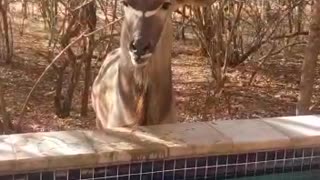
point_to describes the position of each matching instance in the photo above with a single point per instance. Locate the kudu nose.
(139, 48)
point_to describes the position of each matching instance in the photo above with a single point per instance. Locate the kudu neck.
(128, 71)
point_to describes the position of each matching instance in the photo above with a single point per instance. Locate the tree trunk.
(3, 11)
(309, 64)
(92, 23)
(299, 22)
(5, 124)
(72, 84)
(58, 96)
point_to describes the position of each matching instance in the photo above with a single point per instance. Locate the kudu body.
(134, 84)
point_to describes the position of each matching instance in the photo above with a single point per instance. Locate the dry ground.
(273, 93)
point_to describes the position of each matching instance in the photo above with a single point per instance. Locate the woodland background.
(236, 59)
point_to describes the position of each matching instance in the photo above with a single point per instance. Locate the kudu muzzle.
(146, 34)
(140, 50)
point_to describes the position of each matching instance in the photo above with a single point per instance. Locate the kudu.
(134, 84)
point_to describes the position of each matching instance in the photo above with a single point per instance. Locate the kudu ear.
(195, 2)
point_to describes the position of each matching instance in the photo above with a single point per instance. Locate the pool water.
(306, 175)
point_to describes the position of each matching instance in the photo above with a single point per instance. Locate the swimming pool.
(295, 164)
(310, 175)
(276, 149)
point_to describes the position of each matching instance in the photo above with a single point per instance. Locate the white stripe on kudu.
(146, 13)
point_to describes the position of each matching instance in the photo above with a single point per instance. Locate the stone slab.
(190, 139)
(7, 154)
(122, 145)
(303, 131)
(74, 149)
(251, 135)
(52, 150)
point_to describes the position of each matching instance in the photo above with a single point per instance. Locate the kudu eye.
(166, 5)
(125, 3)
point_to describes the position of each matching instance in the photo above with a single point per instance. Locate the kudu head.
(144, 24)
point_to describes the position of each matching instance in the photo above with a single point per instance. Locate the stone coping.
(77, 149)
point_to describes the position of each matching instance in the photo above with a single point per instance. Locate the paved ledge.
(70, 149)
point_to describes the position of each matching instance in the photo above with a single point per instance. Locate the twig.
(101, 28)
(84, 34)
(47, 68)
(82, 5)
(264, 58)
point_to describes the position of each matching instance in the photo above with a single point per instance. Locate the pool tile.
(252, 157)
(123, 178)
(169, 165)
(168, 175)
(74, 174)
(297, 164)
(232, 159)
(179, 175)
(200, 172)
(99, 172)
(315, 163)
(157, 176)
(261, 156)
(211, 172)
(158, 165)
(288, 165)
(20, 177)
(146, 177)
(289, 153)
(303, 131)
(52, 150)
(221, 171)
(191, 162)
(280, 154)
(260, 167)
(269, 166)
(279, 166)
(250, 169)
(242, 158)
(47, 175)
(316, 151)
(190, 173)
(251, 135)
(8, 177)
(135, 168)
(306, 162)
(222, 160)
(123, 170)
(34, 176)
(201, 162)
(298, 153)
(61, 175)
(112, 171)
(7, 157)
(114, 178)
(231, 171)
(180, 163)
(146, 167)
(87, 173)
(135, 177)
(271, 155)
(307, 152)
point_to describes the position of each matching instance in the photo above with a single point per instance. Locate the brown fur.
(124, 95)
